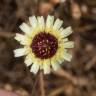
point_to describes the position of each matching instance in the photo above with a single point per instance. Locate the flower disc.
(44, 45)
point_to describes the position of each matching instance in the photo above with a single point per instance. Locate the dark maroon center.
(44, 45)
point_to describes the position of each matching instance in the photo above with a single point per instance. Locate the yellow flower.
(45, 44)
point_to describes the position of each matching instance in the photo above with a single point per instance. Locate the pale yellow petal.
(33, 21)
(46, 66)
(58, 23)
(55, 65)
(58, 56)
(69, 44)
(61, 29)
(35, 67)
(25, 28)
(19, 52)
(60, 60)
(41, 23)
(67, 56)
(62, 41)
(49, 21)
(66, 32)
(28, 60)
(23, 39)
(19, 37)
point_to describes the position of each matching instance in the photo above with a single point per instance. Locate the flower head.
(45, 44)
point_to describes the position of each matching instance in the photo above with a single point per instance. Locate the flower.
(45, 44)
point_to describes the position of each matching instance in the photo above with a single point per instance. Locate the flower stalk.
(42, 90)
